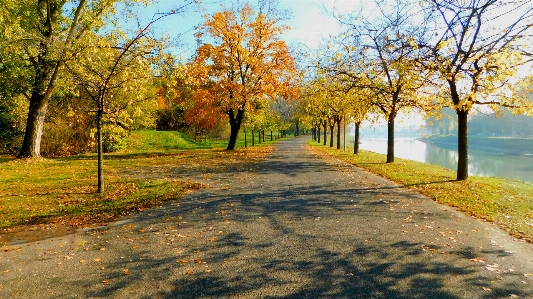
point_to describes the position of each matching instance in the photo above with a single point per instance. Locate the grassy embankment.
(505, 202)
(61, 191)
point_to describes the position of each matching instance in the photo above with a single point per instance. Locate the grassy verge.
(62, 190)
(505, 202)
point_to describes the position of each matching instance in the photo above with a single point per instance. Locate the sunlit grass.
(63, 190)
(508, 203)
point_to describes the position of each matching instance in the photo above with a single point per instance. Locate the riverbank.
(500, 145)
(507, 203)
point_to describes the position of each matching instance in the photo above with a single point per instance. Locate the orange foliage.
(203, 115)
(246, 63)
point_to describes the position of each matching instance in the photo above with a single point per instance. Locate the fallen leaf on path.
(477, 260)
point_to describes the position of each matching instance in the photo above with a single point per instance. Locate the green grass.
(63, 190)
(159, 141)
(147, 141)
(507, 203)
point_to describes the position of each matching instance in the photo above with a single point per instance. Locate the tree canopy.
(242, 61)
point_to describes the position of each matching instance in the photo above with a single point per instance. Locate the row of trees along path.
(422, 56)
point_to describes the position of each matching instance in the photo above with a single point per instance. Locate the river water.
(481, 163)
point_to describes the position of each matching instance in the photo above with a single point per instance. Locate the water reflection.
(480, 163)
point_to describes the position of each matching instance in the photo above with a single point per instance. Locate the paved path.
(297, 226)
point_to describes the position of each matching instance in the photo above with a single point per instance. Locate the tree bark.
(331, 129)
(31, 146)
(344, 134)
(271, 136)
(235, 121)
(245, 139)
(462, 133)
(338, 121)
(390, 139)
(318, 133)
(462, 139)
(100, 141)
(253, 138)
(263, 135)
(356, 138)
(46, 73)
(325, 133)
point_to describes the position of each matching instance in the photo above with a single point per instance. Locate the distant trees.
(505, 125)
(486, 124)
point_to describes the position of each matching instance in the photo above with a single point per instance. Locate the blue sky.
(309, 23)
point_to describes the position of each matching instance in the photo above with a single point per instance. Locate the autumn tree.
(315, 105)
(477, 49)
(359, 109)
(116, 73)
(242, 60)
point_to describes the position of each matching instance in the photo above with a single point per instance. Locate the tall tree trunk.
(390, 138)
(46, 71)
(100, 150)
(297, 129)
(462, 133)
(338, 121)
(356, 138)
(462, 139)
(235, 121)
(263, 136)
(331, 129)
(344, 134)
(325, 133)
(253, 138)
(31, 145)
(271, 136)
(318, 133)
(245, 139)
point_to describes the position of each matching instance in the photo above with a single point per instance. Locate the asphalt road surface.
(298, 225)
